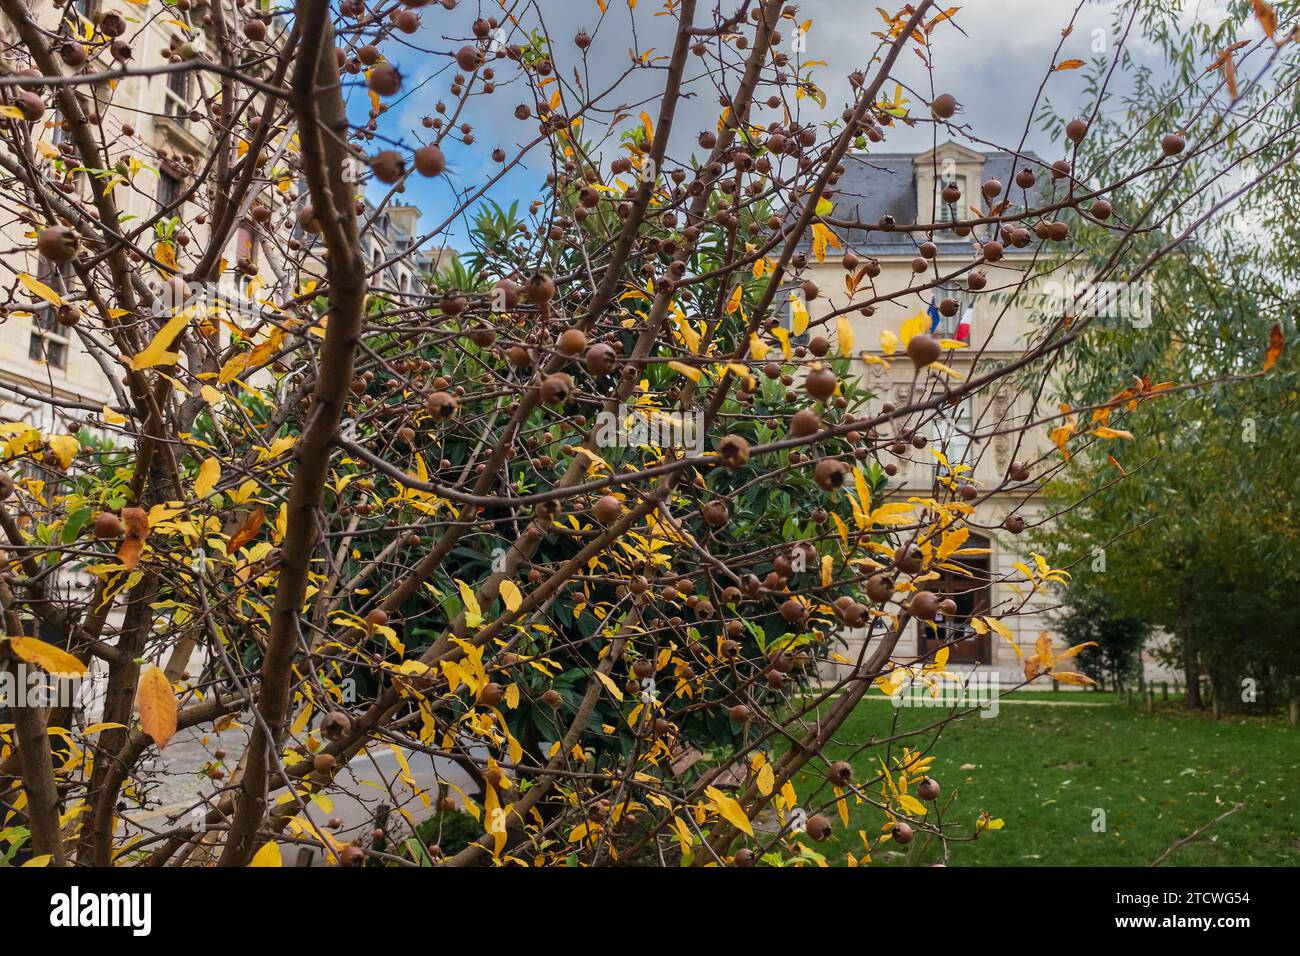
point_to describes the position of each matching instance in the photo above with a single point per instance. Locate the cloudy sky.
(993, 64)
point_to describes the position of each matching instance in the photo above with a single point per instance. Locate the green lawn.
(1044, 770)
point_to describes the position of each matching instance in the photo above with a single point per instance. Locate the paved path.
(366, 783)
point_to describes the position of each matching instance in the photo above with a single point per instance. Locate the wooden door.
(971, 593)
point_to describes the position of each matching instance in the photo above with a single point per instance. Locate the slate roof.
(874, 184)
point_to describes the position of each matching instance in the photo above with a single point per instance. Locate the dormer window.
(947, 181)
(949, 197)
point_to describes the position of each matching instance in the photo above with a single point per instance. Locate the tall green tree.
(1191, 526)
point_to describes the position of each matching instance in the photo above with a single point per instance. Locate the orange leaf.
(157, 706)
(1071, 677)
(1275, 343)
(1224, 61)
(137, 530)
(1266, 16)
(248, 531)
(1044, 648)
(1032, 669)
(1071, 652)
(1068, 65)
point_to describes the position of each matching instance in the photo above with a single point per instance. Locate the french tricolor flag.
(963, 327)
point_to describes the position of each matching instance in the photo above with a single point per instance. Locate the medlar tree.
(384, 517)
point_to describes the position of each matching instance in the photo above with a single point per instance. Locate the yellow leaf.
(1072, 677)
(798, 315)
(52, 659)
(209, 474)
(888, 342)
(913, 327)
(729, 810)
(844, 332)
(757, 347)
(155, 352)
(111, 417)
(783, 337)
(1044, 648)
(952, 540)
(40, 289)
(688, 371)
(473, 613)
(157, 706)
(165, 253)
(688, 334)
(1073, 651)
(860, 486)
(1003, 630)
(579, 833)
(911, 804)
(828, 570)
(65, 447)
(101, 727)
(766, 779)
(1103, 431)
(614, 690)
(823, 237)
(684, 836)
(998, 626)
(510, 594)
(268, 855)
(596, 461)
(859, 514)
(940, 367)
(789, 797)
(842, 529)
(733, 303)
(892, 514)
(1061, 437)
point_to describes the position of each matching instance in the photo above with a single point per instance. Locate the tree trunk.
(1192, 676)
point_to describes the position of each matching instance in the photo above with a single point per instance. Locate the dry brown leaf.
(248, 531)
(136, 522)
